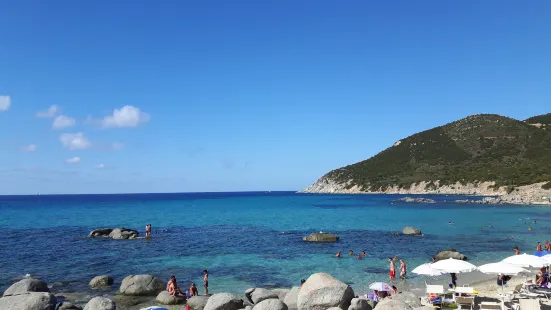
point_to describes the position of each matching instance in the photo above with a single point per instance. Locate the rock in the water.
(100, 303)
(25, 286)
(101, 281)
(291, 298)
(321, 237)
(411, 231)
(100, 232)
(259, 294)
(281, 292)
(123, 233)
(224, 301)
(391, 304)
(416, 200)
(409, 298)
(449, 253)
(28, 301)
(164, 298)
(197, 302)
(271, 304)
(321, 291)
(359, 304)
(68, 306)
(142, 285)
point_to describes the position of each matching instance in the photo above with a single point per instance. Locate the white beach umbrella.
(547, 258)
(381, 287)
(526, 261)
(501, 268)
(451, 265)
(427, 270)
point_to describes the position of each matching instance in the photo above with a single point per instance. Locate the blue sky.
(177, 96)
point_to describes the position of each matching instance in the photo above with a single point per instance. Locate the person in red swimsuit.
(392, 268)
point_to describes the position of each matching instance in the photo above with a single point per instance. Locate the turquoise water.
(248, 239)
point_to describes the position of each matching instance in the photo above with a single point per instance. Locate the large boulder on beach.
(124, 233)
(25, 286)
(359, 304)
(392, 304)
(411, 231)
(449, 253)
(197, 302)
(334, 308)
(100, 232)
(291, 298)
(101, 281)
(256, 295)
(281, 292)
(409, 298)
(142, 285)
(68, 306)
(321, 291)
(224, 301)
(321, 237)
(100, 303)
(164, 298)
(29, 301)
(271, 304)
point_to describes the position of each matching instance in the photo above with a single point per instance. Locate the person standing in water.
(517, 251)
(148, 230)
(538, 247)
(392, 268)
(338, 255)
(206, 281)
(547, 246)
(364, 254)
(403, 269)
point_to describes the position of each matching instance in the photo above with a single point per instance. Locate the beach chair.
(464, 302)
(487, 305)
(437, 290)
(530, 304)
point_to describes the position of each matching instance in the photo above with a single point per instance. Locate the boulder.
(29, 301)
(259, 294)
(321, 291)
(424, 308)
(409, 298)
(100, 232)
(25, 286)
(68, 306)
(281, 292)
(197, 302)
(271, 304)
(101, 281)
(416, 200)
(334, 308)
(142, 285)
(391, 304)
(224, 301)
(291, 298)
(100, 303)
(411, 231)
(372, 303)
(449, 253)
(123, 233)
(321, 237)
(359, 304)
(164, 298)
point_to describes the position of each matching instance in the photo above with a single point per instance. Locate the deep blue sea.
(248, 239)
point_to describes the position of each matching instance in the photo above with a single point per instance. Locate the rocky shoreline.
(532, 194)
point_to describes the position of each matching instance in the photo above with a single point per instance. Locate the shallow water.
(248, 239)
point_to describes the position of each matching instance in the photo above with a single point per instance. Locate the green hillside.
(483, 147)
(542, 121)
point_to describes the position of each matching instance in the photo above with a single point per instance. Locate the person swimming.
(338, 255)
(351, 253)
(359, 256)
(517, 251)
(364, 254)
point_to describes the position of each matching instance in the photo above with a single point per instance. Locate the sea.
(250, 239)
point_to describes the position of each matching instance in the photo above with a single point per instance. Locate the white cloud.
(74, 160)
(127, 116)
(100, 166)
(63, 121)
(28, 148)
(74, 141)
(48, 113)
(5, 102)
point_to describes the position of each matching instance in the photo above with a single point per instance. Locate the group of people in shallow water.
(174, 289)
(351, 253)
(392, 263)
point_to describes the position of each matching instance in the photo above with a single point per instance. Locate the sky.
(185, 96)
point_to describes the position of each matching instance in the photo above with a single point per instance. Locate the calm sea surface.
(248, 239)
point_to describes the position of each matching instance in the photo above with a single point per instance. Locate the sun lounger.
(530, 304)
(487, 305)
(464, 302)
(435, 290)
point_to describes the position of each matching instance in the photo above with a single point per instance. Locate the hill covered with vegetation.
(474, 149)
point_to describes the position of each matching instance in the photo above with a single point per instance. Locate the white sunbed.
(464, 302)
(530, 304)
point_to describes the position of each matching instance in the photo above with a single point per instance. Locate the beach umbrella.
(427, 270)
(451, 265)
(381, 287)
(526, 260)
(547, 258)
(501, 268)
(541, 253)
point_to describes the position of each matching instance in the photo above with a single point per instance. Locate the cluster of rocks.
(449, 253)
(114, 233)
(321, 237)
(416, 200)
